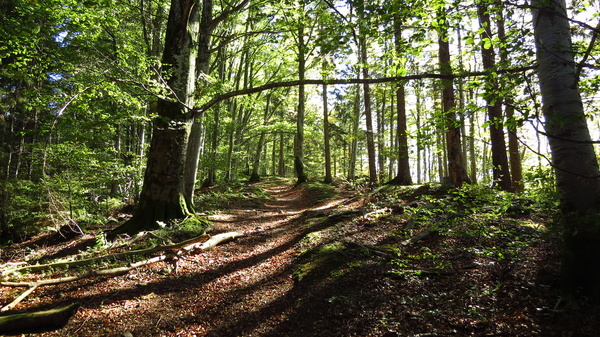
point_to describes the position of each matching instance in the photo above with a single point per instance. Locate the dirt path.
(302, 270)
(242, 288)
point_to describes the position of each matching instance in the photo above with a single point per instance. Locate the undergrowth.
(225, 196)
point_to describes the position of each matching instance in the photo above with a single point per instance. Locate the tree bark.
(196, 142)
(255, 175)
(354, 143)
(326, 138)
(367, 97)
(514, 155)
(299, 148)
(500, 168)
(456, 166)
(573, 156)
(403, 176)
(163, 194)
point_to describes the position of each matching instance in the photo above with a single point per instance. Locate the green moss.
(323, 261)
(187, 228)
(320, 192)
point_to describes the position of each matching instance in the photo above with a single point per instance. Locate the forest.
(299, 167)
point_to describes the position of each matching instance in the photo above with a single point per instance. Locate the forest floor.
(343, 264)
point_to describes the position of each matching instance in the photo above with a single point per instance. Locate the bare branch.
(188, 247)
(588, 51)
(200, 110)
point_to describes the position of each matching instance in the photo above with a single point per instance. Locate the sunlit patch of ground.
(359, 278)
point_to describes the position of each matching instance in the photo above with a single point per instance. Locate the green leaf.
(487, 43)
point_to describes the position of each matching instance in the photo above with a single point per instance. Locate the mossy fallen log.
(37, 321)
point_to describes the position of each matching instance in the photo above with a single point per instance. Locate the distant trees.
(396, 95)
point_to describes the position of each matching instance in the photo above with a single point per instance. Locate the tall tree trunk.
(403, 175)
(514, 156)
(456, 166)
(236, 110)
(233, 107)
(326, 138)
(299, 148)
(472, 156)
(420, 146)
(196, 142)
(162, 198)
(354, 143)
(392, 137)
(281, 154)
(500, 168)
(573, 156)
(255, 175)
(381, 122)
(362, 42)
(211, 174)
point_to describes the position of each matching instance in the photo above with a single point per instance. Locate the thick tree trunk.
(163, 195)
(573, 156)
(162, 198)
(456, 166)
(194, 151)
(403, 176)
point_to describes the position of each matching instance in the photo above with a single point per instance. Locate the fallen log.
(422, 235)
(112, 257)
(213, 241)
(181, 249)
(36, 322)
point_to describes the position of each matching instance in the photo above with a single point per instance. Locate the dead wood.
(36, 322)
(111, 257)
(377, 212)
(188, 247)
(422, 235)
(213, 241)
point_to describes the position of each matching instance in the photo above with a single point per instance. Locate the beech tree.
(98, 69)
(457, 171)
(163, 192)
(493, 98)
(403, 176)
(573, 156)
